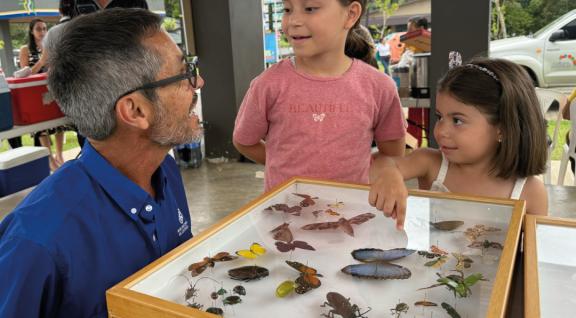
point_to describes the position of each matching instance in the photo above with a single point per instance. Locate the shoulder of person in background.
(566, 108)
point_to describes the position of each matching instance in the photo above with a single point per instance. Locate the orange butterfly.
(197, 268)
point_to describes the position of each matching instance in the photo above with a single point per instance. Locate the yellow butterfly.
(254, 251)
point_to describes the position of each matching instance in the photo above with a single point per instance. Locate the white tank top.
(438, 184)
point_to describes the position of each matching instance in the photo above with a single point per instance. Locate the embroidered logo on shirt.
(184, 224)
(318, 117)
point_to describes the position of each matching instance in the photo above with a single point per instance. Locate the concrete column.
(228, 37)
(462, 26)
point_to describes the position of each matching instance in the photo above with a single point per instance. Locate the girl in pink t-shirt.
(317, 114)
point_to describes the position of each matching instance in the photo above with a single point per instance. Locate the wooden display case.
(549, 267)
(160, 289)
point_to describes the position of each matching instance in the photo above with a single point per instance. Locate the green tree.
(387, 7)
(519, 21)
(173, 8)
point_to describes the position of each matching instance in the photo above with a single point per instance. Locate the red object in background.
(31, 101)
(419, 39)
(421, 117)
(396, 47)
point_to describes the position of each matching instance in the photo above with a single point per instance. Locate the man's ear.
(354, 12)
(135, 111)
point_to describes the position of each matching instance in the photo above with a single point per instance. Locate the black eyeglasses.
(191, 75)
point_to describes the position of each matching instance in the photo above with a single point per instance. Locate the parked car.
(548, 55)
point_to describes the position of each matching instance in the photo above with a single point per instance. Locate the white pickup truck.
(548, 55)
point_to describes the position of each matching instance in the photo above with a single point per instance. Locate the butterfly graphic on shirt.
(285, 239)
(197, 268)
(318, 117)
(343, 223)
(254, 251)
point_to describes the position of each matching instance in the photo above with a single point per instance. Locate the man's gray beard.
(164, 135)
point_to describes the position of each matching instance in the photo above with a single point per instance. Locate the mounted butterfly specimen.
(308, 199)
(377, 264)
(285, 239)
(308, 278)
(486, 244)
(447, 225)
(473, 233)
(462, 261)
(197, 268)
(343, 224)
(254, 251)
(293, 210)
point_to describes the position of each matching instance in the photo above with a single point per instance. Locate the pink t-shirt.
(318, 126)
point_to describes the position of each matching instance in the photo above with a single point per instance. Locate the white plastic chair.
(546, 97)
(568, 151)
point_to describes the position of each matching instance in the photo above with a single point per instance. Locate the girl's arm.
(38, 66)
(536, 197)
(387, 174)
(256, 153)
(24, 56)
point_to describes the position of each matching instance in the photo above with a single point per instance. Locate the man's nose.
(199, 82)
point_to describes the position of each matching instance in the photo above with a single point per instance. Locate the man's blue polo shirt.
(81, 231)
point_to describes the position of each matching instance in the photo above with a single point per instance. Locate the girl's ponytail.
(359, 45)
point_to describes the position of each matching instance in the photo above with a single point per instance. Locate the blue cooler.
(6, 121)
(22, 168)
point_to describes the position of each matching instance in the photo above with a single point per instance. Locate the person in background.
(490, 130)
(566, 115)
(317, 114)
(30, 56)
(383, 49)
(122, 203)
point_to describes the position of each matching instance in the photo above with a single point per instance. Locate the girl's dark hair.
(508, 100)
(358, 45)
(31, 40)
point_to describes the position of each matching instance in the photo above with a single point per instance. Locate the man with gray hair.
(124, 83)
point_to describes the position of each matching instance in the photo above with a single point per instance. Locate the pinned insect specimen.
(195, 305)
(294, 210)
(458, 284)
(369, 255)
(222, 291)
(486, 244)
(441, 260)
(285, 288)
(285, 239)
(197, 268)
(341, 306)
(248, 273)
(317, 212)
(462, 261)
(425, 303)
(240, 290)
(232, 300)
(447, 225)
(343, 223)
(308, 200)
(214, 295)
(254, 251)
(331, 212)
(377, 266)
(215, 311)
(436, 250)
(399, 309)
(337, 205)
(450, 310)
(428, 254)
(473, 233)
(192, 292)
(308, 278)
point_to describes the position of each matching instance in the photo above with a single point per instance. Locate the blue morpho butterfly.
(376, 264)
